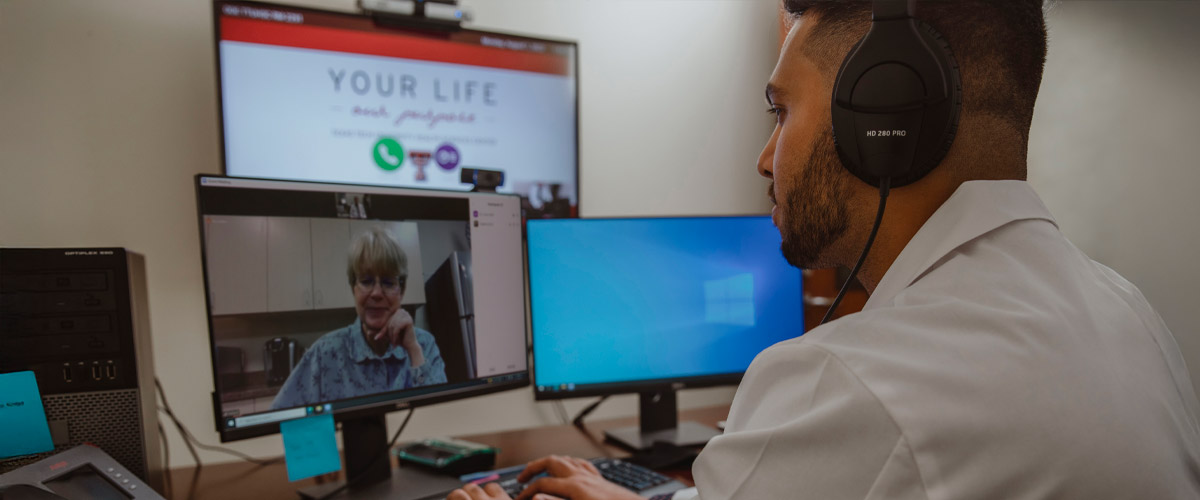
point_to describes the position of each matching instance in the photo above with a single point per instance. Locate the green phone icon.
(389, 154)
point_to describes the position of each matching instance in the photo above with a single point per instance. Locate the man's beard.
(814, 209)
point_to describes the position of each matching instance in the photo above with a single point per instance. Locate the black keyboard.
(633, 477)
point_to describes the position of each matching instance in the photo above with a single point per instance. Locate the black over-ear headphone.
(896, 103)
(896, 99)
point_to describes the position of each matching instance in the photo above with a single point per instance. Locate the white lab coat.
(994, 360)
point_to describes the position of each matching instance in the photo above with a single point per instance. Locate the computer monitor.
(654, 305)
(300, 277)
(316, 95)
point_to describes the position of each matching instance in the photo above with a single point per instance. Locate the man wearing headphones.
(993, 358)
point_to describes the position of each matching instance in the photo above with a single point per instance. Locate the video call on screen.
(276, 265)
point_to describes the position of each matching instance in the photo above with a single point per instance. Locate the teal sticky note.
(310, 446)
(22, 417)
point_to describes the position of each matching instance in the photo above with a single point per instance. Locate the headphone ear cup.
(879, 88)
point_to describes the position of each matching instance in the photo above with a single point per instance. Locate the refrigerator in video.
(450, 310)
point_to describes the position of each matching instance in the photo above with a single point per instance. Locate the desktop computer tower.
(77, 318)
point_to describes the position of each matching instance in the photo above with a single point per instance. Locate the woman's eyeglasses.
(389, 284)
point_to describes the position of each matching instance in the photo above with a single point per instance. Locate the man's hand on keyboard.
(568, 477)
(490, 491)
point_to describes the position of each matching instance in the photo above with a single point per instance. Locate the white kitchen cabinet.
(289, 264)
(278, 264)
(236, 256)
(330, 254)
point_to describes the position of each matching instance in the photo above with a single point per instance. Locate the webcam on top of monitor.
(484, 180)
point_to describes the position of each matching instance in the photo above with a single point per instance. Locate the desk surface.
(245, 480)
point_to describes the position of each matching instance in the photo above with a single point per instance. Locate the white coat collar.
(975, 209)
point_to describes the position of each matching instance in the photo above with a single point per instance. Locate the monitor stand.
(364, 439)
(659, 417)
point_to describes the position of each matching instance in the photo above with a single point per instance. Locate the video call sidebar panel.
(496, 223)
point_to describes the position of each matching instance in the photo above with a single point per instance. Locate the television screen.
(323, 96)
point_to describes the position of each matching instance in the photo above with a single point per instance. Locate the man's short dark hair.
(1000, 46)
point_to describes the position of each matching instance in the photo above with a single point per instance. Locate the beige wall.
(108, 108)
(1115, 151)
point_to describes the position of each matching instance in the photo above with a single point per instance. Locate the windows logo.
(730, 300)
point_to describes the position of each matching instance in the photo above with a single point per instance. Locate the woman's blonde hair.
(377, 252)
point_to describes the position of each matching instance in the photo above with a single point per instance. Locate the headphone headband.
(883, 10)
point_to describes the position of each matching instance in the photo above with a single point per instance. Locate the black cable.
(192, 442)
(386, 451)
(560, 410)
(884, 188)
(166, 407)
(194, 484)
(578, 420)
(162, 433)
(162, 396)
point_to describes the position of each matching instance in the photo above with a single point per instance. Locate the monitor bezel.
(218, 4)
(633, 386)
(468, 389)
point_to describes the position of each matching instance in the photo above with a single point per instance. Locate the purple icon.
(477, 213)
(446, 156)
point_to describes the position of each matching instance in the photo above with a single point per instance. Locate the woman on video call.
(382, 350)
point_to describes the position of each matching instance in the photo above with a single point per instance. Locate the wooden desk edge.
(246, 480)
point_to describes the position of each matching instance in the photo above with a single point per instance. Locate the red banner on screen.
(388, 45)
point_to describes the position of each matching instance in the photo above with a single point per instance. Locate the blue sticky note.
(310, 446)
(22, 416)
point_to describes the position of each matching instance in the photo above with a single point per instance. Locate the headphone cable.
(884, 188)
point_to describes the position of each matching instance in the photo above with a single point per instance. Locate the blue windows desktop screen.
(624, 300)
